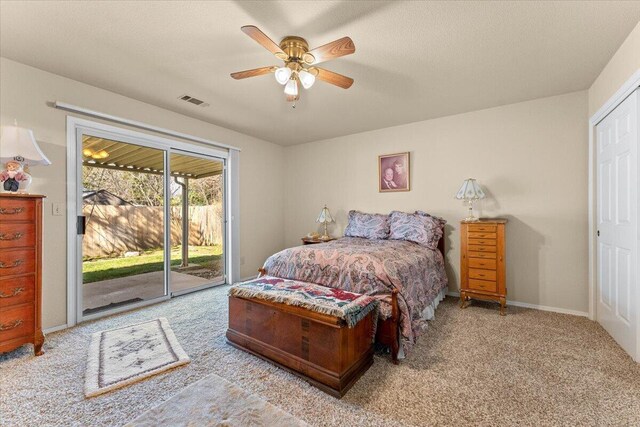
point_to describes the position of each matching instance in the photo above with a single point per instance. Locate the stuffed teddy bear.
(13, 176)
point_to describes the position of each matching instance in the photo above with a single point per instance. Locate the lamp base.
(325, 235)
(12, 187)
(14, 178)
(470, 216)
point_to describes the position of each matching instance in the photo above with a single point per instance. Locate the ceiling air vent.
(193, 100)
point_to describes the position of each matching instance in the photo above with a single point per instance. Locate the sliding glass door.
(151, 220)
(123, 224)
(197, 222)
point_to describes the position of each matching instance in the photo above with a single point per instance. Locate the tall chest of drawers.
(482, 261)
(20, 271)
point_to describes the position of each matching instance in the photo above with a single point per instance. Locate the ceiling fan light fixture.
(299, 62)
(306, 79)
(308, 58)
(291, 88)
(282, 75)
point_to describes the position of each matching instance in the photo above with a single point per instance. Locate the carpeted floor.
(473, 367)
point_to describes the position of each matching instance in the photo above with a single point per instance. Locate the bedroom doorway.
(150, 220)
(617, 292)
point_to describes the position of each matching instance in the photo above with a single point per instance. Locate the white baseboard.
(535, 306)
(55, 329)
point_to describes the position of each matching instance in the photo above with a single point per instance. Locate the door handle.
(81, 224)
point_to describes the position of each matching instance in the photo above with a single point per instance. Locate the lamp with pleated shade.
(18, 148)
(325, 218)
(470, 191)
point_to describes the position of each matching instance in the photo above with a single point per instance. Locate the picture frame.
(394, 172)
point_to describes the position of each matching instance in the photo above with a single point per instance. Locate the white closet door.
(617, 219)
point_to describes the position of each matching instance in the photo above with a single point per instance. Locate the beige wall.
(622, 65)
(24, 93)
(530, 157)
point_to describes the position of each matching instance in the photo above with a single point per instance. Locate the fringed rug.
(119, 357)
(214, 401)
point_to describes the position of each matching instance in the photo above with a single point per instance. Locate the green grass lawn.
(147, 261)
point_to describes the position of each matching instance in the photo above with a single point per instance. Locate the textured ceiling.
(413, 61)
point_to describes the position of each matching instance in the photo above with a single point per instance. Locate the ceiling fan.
(299, 62)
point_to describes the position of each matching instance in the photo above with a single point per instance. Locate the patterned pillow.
(423, 230)
(369, 226)
(441, 221)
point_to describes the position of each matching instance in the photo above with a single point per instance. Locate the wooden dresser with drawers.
(482, 261)
(20, 271)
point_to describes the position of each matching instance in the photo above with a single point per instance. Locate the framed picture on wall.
(393, 172)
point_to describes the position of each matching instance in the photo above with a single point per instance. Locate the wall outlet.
(58, 209)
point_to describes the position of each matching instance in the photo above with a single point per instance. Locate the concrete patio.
(140, 287)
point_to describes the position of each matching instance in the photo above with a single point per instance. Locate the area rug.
(119, 357)
(214, 401)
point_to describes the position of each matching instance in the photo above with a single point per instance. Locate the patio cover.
(122, 156)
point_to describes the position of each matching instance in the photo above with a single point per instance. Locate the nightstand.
(310, 241)
(482, 261)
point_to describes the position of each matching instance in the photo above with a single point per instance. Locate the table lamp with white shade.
(470, 191)
(325, 218)
(18, 149)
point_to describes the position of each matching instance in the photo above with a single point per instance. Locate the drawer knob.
(14, 211)
(16, 292)
(17, 235)
(11, 325)
(15, 263)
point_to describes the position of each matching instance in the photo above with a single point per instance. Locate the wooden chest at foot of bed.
(318, 347)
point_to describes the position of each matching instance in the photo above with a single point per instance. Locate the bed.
(409, 279)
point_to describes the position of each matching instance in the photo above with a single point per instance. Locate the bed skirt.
(429, 313)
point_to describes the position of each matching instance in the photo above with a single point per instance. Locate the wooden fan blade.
(255, 33)
(335, 49)
(334, 78)
(252, 73)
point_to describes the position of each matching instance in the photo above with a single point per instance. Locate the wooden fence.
(114, 230)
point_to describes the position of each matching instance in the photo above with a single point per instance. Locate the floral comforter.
(371, 267)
